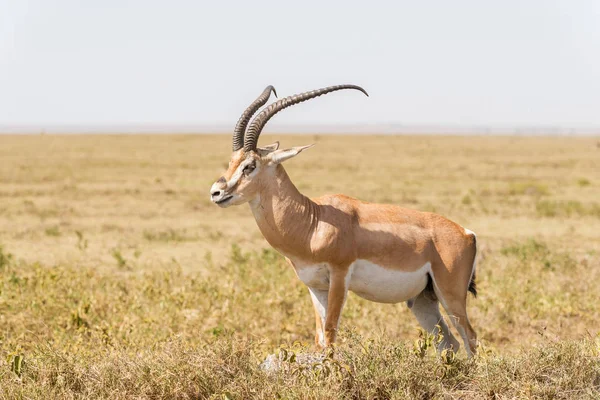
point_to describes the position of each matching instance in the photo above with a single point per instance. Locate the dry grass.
(119, 279)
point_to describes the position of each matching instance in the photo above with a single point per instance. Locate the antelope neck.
(285, 217)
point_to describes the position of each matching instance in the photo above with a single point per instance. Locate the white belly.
(370, 281)
(314, 276)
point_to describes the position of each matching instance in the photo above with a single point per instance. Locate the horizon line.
(365, 128)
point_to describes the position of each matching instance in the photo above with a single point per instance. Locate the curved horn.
(240, 127)
(258, 123)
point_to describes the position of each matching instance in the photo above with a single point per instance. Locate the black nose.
(216, 193)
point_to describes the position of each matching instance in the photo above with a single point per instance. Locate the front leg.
(319, 299)
(338, 290)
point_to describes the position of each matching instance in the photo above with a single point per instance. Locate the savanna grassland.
(119, 279)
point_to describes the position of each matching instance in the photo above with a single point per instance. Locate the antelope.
(335, 243)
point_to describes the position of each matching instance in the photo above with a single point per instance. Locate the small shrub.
(237, 256)
(5, 258)
(52, 231)
(16, 364)
(216, 235)
(527, 250)
(570, 208)
(82, 243)
(121, 261)
(528, 189)
(533, 251)
(584, 182)
(169, 235)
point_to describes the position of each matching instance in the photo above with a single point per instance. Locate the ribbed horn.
(240, 127)
(258, 123)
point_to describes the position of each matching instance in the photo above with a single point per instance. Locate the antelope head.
(251, 167)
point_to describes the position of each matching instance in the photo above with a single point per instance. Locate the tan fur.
(337, 230)
(236, 158)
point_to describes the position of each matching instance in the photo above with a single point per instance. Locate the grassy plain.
(119, 279)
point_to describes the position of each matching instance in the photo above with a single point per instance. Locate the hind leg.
(451, 274)
(456, 307)
(458, 314)
(425, 308)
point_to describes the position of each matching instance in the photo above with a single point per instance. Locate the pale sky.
(114, 62)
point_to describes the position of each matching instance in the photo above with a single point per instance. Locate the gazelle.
(383, 253)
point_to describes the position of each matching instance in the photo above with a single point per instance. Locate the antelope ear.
(279, 156)
(263, 151)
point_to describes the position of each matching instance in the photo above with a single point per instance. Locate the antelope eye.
(249, 168)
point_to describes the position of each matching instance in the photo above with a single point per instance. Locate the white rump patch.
(470, 232)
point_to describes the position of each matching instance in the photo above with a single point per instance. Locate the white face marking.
(375, 283)
(469, 232)
(237, 175)
(215, 187)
